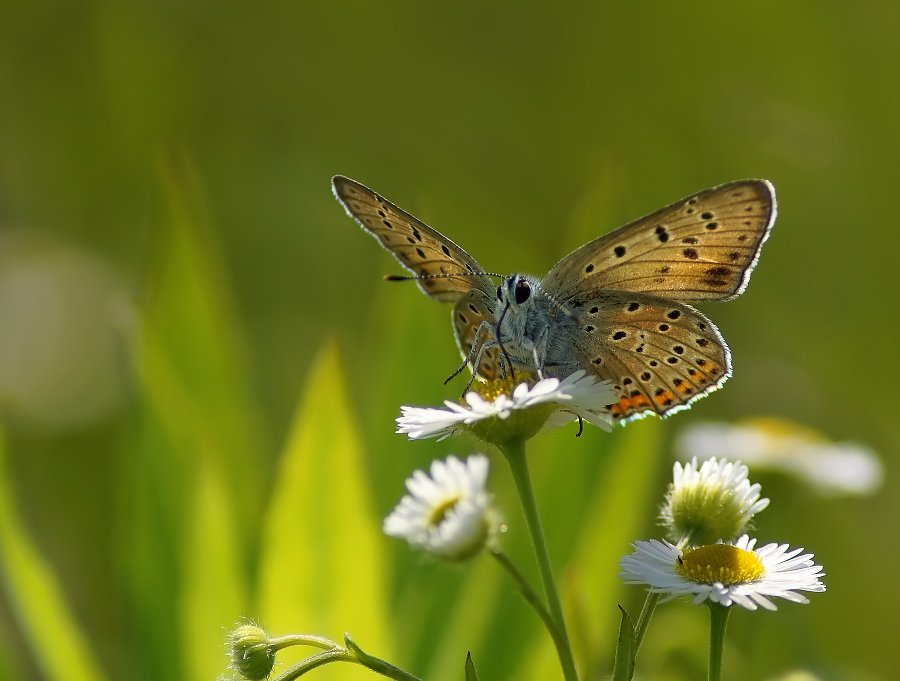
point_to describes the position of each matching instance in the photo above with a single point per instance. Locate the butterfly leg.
(495, 365)
(538, 364)
(473, 358)
(457, 371)
(475, 363)
(539, 351)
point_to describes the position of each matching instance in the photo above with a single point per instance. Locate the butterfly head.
(517, 291)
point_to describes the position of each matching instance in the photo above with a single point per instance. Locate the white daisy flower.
(831, 468)
(497, 412)
(449, 513)
(732, 573)
(711, 502)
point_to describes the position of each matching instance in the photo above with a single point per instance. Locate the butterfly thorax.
(529, 324)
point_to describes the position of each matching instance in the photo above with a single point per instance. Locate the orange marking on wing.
(627, 404)
(664, 398)
(708, 375)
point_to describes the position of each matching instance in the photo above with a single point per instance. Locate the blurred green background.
(200, 364)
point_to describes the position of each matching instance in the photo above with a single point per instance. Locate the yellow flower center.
(516, 424)
(721, 563)
(440, 511)
(494, 388)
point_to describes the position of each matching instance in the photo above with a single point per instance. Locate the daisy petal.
(447, 513)
(548, 403)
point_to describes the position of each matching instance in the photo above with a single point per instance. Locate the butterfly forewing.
(659, 354)
(420, 249)
(703, 247)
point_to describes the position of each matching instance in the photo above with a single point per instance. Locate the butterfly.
(619, 307)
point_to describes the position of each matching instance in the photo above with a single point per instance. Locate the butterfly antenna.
(512, 371)
(442, 275)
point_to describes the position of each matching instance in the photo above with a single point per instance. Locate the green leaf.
(376, 664)
(153, 512)
(59, 648)
(471, 674)
(190, 321)
(323, 568)
(624, 667)
(197, 466)
(214, 593)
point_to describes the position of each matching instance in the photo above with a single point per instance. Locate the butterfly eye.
(523, 291)
(500, 294)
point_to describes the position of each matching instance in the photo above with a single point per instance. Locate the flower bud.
(251, 652)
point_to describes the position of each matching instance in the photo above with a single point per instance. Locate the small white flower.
(711, 502)
(732, 573)
(448, 514)
(831, 468)
(577, 395)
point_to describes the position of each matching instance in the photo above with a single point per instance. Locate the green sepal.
(471, 674)
(624, 668)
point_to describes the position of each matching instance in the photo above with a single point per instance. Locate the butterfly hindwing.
(419, 248)
(660, 355)
(703, 247)
(470, 312)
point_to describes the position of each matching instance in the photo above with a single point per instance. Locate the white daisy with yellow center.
(500, 410)
(727, 573)
(447, 514)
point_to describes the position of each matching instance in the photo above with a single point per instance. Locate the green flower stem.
(718, 620)
(514, 451)
(334, 653)
(343, 655)
(643, 622)
(530, 595)
(281, 642)
(314, 662)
